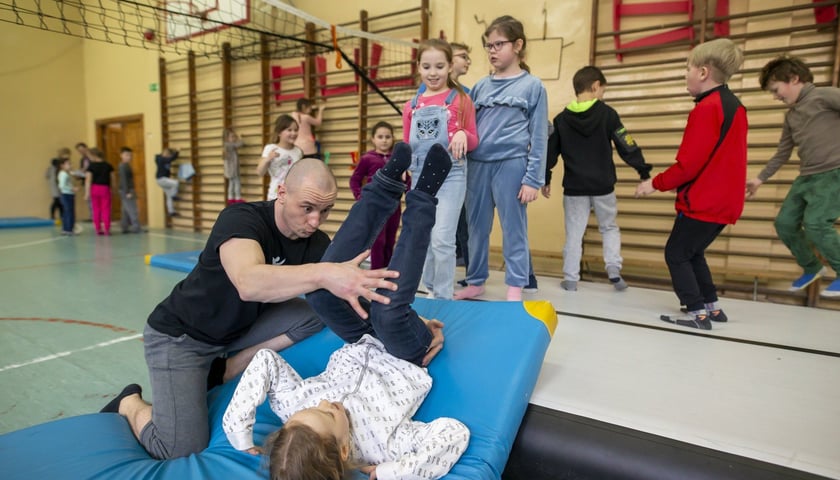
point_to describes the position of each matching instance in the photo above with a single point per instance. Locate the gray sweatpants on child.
(178, 368)
(577, 210)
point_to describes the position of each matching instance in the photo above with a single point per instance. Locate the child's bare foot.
(514, 294)
(471, 291)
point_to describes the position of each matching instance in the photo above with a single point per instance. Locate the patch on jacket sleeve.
(623, 137)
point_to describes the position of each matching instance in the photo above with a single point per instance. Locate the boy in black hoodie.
(584, 134)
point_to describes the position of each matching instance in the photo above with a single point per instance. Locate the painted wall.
(117, 81)
(42, 93)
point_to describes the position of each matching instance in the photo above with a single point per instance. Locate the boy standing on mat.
(806, 219)
(584, 133)
(708, 177)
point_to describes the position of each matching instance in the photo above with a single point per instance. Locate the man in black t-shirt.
(243, 295)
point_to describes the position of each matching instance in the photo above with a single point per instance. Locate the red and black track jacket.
(711, 168)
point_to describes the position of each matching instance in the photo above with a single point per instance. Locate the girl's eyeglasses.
(497, 45)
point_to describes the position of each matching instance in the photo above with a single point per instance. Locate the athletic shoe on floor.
(532, 285)
(699, 321)
(833, 289)
(718, 316)
(806, 279)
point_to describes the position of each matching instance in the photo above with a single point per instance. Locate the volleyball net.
(383, 55)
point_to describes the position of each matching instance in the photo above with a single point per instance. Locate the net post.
(363, 88)
(265, 68)
(309, 72)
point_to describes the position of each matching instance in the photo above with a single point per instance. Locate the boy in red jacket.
(708, 177)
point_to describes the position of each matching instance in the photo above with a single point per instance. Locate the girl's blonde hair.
(443, 46)
(513, 30)
(722, 55)
(299, 452)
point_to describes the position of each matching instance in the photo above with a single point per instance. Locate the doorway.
(114, 133)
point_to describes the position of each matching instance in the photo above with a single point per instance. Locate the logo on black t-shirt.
(277, 261)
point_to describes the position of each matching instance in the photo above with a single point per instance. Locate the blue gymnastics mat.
(180, 261)
(23, 222)
(484, 377)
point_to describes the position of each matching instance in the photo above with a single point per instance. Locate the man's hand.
(349, 282)
(436, 327)
(752, 187)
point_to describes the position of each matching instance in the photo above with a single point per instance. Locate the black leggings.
(56, 205)
(685, 254)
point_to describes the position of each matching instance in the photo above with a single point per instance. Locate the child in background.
(507, 169)
(382, 138)
(129, 216)
(443, 115)
(709, 178)
(98, 181)
(584, 133)
(357, 413)
(164, 179)
(806, 219)
(306, 138)
(68, 196)
(51, 175)
(278, 157)
(232, 143)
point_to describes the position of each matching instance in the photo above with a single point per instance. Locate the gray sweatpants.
(129, 217)
(178, 368)
(577, 215)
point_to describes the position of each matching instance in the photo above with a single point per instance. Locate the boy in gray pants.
(584, 134)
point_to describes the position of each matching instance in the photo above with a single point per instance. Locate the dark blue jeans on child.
(397, 325)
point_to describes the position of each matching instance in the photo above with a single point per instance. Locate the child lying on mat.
(357, 413)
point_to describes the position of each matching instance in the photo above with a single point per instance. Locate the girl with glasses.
(507, 168)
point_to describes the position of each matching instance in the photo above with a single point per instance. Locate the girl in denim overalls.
(442, 114)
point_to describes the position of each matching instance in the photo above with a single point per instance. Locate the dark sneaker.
(718, 316)
(532, 285)
(701, 322)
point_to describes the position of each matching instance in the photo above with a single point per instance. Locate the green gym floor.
(72, 311)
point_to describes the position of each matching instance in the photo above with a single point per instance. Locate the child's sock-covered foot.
(618, 283)
(435, 170)
(398, 163)
(614, 274)
(514, 294)
(471, 291)
(569, 285)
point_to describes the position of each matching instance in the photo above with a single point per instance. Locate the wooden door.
(125, 132)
